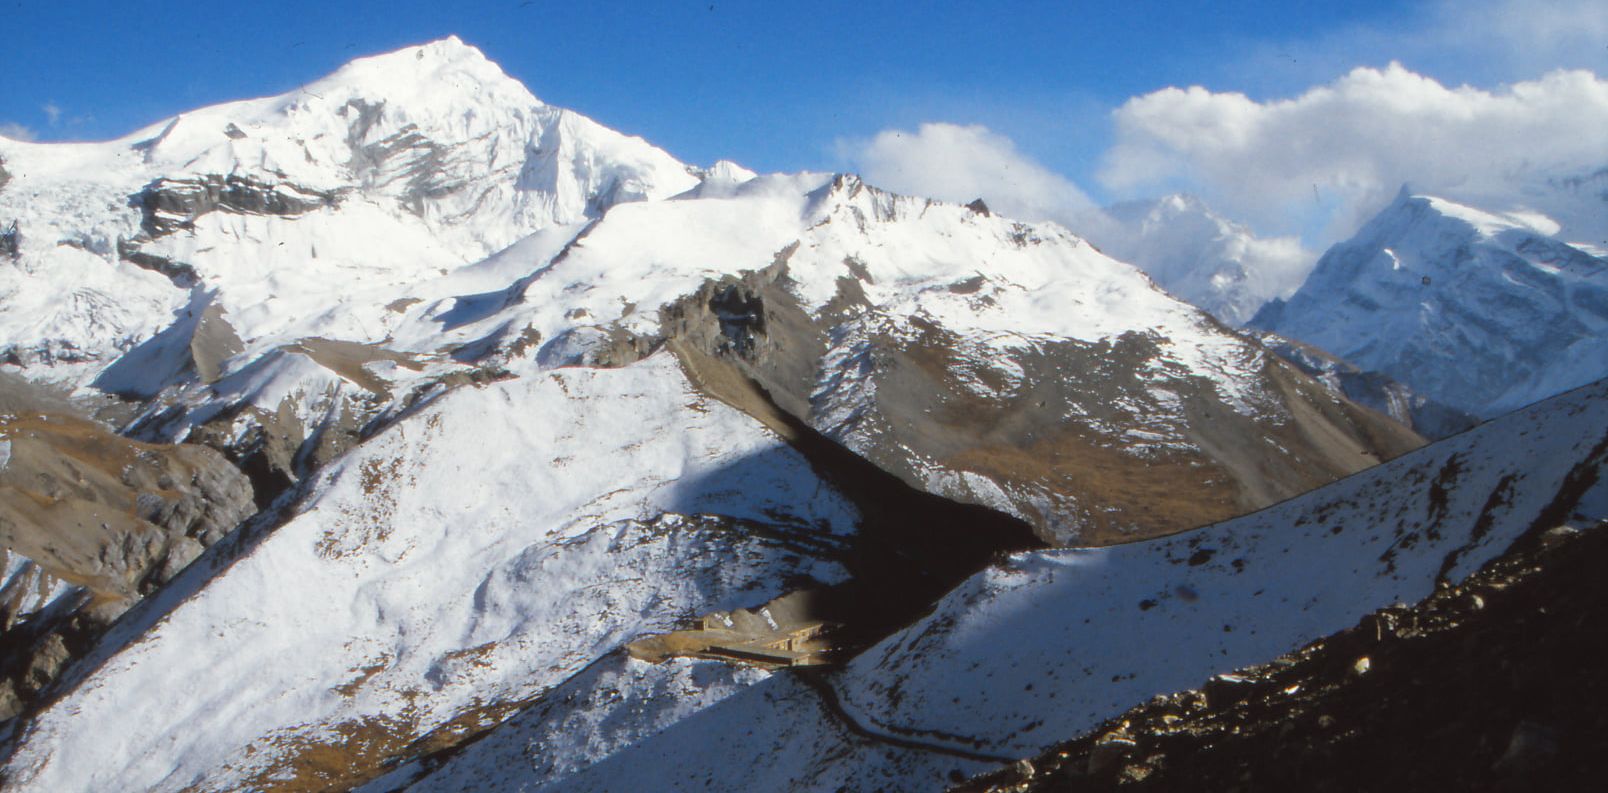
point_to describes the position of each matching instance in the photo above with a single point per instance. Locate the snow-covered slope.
(889, 323)
(460, 563)
(1480, 311)
(976, 357)
(1198, 255)
(299, 213)
(1052, 643)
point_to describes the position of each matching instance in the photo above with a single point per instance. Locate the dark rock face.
(112, 516)
(181, 274)
(411, 158)
(407, 157)
(171, 205)
(752, 323)
(11, 241)
(1494, 684)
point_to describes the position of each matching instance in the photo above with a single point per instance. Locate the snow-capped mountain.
(486, 543)
(514, 389)
(1480, 311)
(296, 211)
(265, 255)
(1050, 644)
(1198, 255)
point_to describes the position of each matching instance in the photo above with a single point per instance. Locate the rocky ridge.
(1482, 312)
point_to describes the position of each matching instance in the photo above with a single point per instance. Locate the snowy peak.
(435, 127)
(389, 170)
(1483, 311)
(1202, 257)
(1429, 221)
(425, 69)
(446, 91)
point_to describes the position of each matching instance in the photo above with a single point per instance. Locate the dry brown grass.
(1139, 497)
(364, 674)
(348, 754)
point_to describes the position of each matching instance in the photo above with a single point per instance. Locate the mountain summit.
(1478, 310)
(391, 169)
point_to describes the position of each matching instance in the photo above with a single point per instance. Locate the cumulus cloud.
(52, 112)
(1345, 147)
(958, 163)
(17, 132)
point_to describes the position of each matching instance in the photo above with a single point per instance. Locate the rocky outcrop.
(171, 205)
(110, 517)
(11, 241)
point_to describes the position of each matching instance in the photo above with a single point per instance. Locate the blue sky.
(780, 88)
(747, 81)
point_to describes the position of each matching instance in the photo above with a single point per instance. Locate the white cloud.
(52, 112)
(958, 163)
(1342, 149)
(1178, 241)
(17, 132)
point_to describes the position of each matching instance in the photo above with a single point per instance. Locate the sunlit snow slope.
(499, 376)
(465, 560)
(274, 276)
(302, 213)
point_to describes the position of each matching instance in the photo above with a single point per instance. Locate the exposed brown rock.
(1506, 695)
(1044, 435)
(111, 516)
